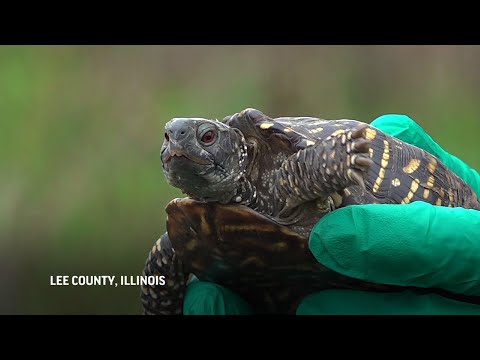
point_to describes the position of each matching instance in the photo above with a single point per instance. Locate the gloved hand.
(414, 244)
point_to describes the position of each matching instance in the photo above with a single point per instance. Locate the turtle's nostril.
(167, 138)
(177, 129)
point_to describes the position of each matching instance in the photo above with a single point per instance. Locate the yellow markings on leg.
(370, 134)
(412, 166)
(381, 173)
(386, 153)
(411, 193)
(157, 246)
(396, 182)
(310, 142)
(266, 126)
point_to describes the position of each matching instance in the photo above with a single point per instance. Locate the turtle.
(255, 186)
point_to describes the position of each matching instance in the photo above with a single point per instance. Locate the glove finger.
(205, 298)
(351, 302)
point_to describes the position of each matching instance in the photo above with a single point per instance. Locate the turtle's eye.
(208, 137)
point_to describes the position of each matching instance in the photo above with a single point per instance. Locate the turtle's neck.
(246, 194)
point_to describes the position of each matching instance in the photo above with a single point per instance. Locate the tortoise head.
(203, 158)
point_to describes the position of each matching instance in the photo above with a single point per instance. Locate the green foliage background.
(81, 187)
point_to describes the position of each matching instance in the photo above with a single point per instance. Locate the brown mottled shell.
(267, 264)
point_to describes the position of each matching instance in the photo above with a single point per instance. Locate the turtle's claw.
(356, 177)
(358, 160)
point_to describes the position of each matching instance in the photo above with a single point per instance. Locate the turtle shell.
(267, 264)
(299, 132)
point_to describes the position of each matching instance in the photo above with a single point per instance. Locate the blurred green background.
(81, 186)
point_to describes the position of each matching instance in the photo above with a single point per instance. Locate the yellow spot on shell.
(379, 180)
(426, 192)
(412, 166)
(396, 182)
(191, 245)
(411, 193)
(432, 165)
(313, 131)
(204, 227)
(253, 260)
(280, 246)
(450, 198)
(370, 151)
(338, 132)
(370, 134)
(310, 142)
(265, 126)
(430, 182)
(438, 202)
(386, 154)
(414, 186)
(407, 199)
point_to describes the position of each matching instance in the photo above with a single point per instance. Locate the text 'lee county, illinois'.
(105, 280)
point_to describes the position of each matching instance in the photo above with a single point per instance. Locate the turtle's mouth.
(169, 154)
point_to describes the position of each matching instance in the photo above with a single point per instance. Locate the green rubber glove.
(411, 245)
(387, 244)
(205, 298)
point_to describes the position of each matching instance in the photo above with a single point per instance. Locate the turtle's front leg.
(164, 299)
(322, 169)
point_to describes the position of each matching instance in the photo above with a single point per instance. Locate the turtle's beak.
(173, 149)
